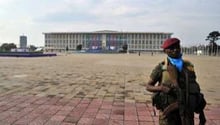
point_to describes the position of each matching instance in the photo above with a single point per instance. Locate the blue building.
(23, 42)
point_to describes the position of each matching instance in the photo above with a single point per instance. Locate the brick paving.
(33, 110)
(91, 89)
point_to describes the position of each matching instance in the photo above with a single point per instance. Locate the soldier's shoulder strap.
(188, 65)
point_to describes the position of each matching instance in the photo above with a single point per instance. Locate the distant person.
(177, 95)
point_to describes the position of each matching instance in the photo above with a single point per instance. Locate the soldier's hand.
(174, 85)
(164, 89)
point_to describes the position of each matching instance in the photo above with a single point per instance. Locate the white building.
(105, 40)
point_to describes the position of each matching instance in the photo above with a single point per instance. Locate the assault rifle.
(179, 103)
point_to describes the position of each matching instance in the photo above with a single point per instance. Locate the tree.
(79, 47)
(213, 37)
(67, 48)
(125, 47)
(8, 46)
(32, 48)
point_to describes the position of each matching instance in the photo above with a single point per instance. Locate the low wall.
(25, 54)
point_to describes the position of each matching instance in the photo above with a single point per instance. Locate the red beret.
(168, 42)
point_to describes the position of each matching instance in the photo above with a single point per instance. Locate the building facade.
(23, 42)
(104, 40)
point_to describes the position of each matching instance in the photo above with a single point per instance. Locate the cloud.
(190, 21)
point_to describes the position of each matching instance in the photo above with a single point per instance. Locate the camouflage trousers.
(172, 119)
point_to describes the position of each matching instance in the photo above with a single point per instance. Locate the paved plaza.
(92, 89)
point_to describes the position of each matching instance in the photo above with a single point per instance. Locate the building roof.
(106, 31)
(109, 31)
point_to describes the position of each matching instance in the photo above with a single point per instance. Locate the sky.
(189, 20)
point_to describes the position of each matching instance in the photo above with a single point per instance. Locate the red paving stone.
(85, 121)
(72, 119)
(100, 121)
(89, 115)
(130, 118)
(66, 123)
(131, 122)
(76, 111)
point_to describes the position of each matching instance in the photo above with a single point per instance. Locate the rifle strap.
(202, 119)
(187, 87)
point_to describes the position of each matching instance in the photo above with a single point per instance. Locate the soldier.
(176, 91)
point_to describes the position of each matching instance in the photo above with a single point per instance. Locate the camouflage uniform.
(174, 118)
